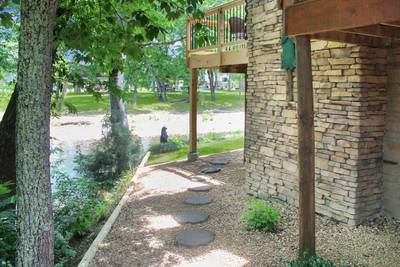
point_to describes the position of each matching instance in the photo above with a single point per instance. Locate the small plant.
(305, 260)
(261, 216)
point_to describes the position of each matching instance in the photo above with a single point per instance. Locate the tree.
(213, 79)
(34, 212)
(162, 62)
(107, 32)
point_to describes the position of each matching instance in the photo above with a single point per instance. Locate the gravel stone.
(201, 188)
(200, 178)
(219, 162)
(191, 217)
(211, 169)
(198, 200)
(194, 238)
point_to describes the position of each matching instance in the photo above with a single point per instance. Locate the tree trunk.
(119, 123)
(118, 111)
(162, 90)
(212, 77)
(229, 83)
(34, 204)
(63, 93)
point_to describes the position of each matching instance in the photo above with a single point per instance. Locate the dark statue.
(164, 135)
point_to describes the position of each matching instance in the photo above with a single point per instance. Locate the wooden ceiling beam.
(318, 16)
(352, 38)
(392, 23)
(380, 31)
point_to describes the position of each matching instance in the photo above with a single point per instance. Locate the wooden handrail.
(219, 32)
(226, 6)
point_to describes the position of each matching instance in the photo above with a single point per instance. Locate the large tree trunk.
(7, 143)
(212, 77)
(34, 204)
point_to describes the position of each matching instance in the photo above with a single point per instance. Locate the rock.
(194, 238)
(198, 200)
(219, 162)
(200, 178)
(211, 169)
(191, 217)
(201, 188)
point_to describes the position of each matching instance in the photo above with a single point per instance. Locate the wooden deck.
(219, 39)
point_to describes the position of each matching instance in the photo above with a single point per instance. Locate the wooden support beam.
(193, 116)
(306, 146)
(380, 31)
(392, 23)
(188, 41)
(317, 16)
(233, 69)
(352, 38)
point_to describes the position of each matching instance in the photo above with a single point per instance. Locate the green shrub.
(261, 216)
(118, 151)
(306, 260)
(172, 145)
(8, 231)
(79, 204)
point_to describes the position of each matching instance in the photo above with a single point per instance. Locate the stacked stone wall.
(350, 104)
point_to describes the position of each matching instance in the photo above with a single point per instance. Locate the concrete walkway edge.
(91, 252)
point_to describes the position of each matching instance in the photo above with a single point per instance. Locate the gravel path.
(144, 234)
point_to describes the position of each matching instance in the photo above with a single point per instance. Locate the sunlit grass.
(147, 101)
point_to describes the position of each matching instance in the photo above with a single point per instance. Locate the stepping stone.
(201, 188)
(219, 162)
(198, 200)
(194, 238)
(191, 217)
(200, 178)
(211, 169)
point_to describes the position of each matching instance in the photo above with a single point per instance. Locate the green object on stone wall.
(288, 58)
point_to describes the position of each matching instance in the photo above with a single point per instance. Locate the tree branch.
(171, 42)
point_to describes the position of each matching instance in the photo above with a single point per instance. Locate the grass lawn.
(147, 101)
(205, 147)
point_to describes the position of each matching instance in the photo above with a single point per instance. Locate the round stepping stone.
(219, 162)
(201, 188)
(191, 217)
(198, 200)
(194, 238)
(211, 169)
(200, 178)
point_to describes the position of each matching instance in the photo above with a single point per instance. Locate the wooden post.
(193, 116)
(306, 146)
(188, 41)
(221, 34)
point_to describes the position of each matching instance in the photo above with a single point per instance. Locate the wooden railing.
(221, 30)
